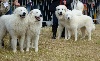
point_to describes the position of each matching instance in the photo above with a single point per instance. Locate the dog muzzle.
(60, 13)
(38, 18)
(23, 15)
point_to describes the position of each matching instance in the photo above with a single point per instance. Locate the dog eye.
(62, 9)
(58, 9)
(21, 10)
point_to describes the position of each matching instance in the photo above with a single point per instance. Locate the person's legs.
(63, 33)
(28, 7)
(54, 31)
(54, 26)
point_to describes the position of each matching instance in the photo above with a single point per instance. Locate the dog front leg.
(36, 43)
(69, 34)
(28, 43)
(66, 33)
(22, 43)
(60, 29)
(75, 32)
(14, 44)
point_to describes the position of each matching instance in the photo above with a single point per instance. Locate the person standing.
(53, 6)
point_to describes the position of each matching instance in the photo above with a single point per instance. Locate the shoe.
(53, 37)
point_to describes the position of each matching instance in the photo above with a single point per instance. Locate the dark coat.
(53, 5)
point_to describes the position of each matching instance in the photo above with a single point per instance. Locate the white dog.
(60, 13)
(16, 24)
(34, 27)
(75, 22)
(78, 5)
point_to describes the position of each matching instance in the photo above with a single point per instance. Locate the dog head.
(60, 10)
(36, 13)
(21, 11)
(68, 15)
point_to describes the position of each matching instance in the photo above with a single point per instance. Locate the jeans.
(29, 6)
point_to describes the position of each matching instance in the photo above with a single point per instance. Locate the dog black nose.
(24, 13)
(68, 18)
(60, 13)
(41, 15)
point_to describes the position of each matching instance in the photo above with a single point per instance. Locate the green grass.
(57, 50)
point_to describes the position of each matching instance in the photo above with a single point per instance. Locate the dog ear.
(56, 7)
(56, 14)
(31, 12)
(15, 11)
(65, 9)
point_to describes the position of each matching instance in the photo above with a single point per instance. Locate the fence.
(43, 5)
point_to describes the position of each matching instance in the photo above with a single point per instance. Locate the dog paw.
(27, 49)
(14, 51)
(22, 51)
(82, 37)
(75, 39)
(58, 38)
(36, 50)
(89, 39)
(66, 39)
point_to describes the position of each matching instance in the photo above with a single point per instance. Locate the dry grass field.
(57, 50)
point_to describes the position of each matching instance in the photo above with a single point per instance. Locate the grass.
(57, 50)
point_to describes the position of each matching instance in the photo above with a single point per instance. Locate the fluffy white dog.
(75, 22)
(78, 5)
(34, 27)
(16, 24)
(60, 13)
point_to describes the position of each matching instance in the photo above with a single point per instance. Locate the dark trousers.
(54, 26)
